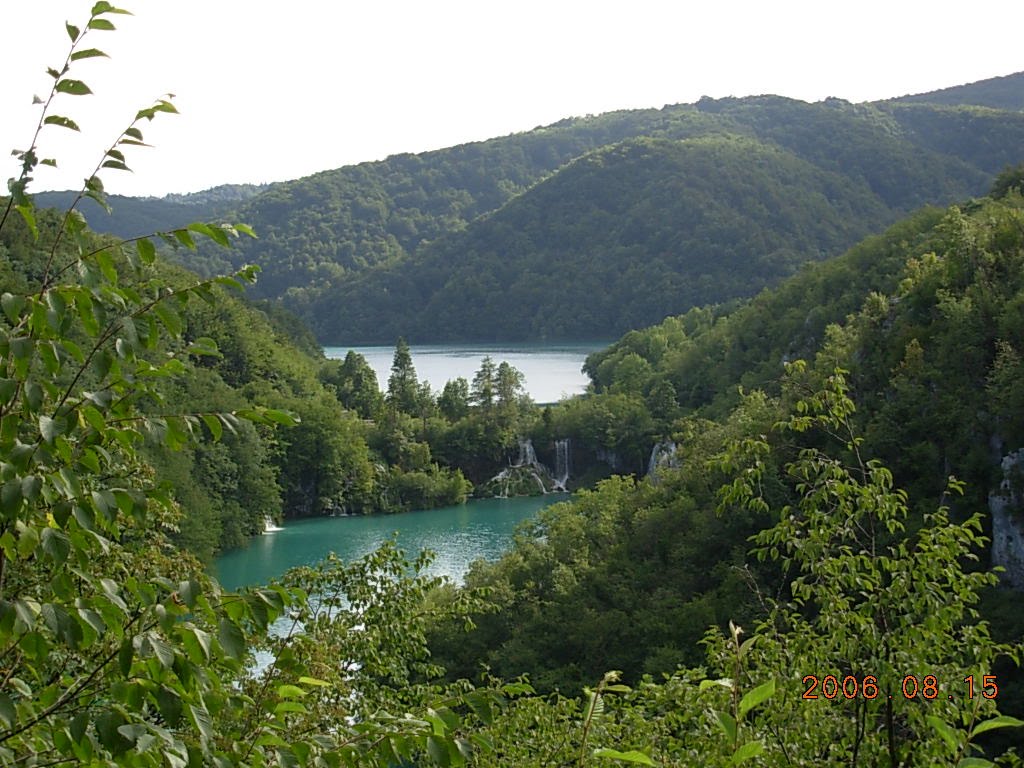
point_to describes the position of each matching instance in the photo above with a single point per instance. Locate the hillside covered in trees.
(420, 246)
(923, 325)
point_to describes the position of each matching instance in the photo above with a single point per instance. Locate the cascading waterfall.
(663, 454)
(269, 526)
(527, 456)
(562, 467)
(517, 479)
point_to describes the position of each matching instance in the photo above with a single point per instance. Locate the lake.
(551, 371)
(481, 528)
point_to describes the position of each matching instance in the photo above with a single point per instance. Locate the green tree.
(509, 386)
(453, 401)
(484, 385)
(403, 386)
(1009, 180)
(355, 384)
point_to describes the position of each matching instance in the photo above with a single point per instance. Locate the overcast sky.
(270, 91)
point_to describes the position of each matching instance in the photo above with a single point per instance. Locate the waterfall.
(663, 454)
(561, 464)
(269, 526)
(517, 478)
(527, 456)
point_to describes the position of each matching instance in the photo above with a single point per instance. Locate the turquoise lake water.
(458, 535)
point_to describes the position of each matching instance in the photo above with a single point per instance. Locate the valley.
(690, 404)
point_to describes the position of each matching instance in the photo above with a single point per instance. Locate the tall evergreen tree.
(484, 383)
(403, 387)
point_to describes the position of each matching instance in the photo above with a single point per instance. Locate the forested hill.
(740, 202)
(370, 251)
(996, 92)
(135, 216)
(620, 238)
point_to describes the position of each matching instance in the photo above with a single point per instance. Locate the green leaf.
(169, 704)
(438, 751)
(13, 306)
(724, 682)
(161, 649)
(170, 318)
(28, 214)
(747, 751)
(314, 682)
(217, 234)
(632, 756)
(756, 696)
(481, 706)
(124, 656)
(183, 237)
(283, 707)
(146, 249)
(288, 691)
(944, 730)
(8, 714)
(727, 724)
(73, 31)
(88, 53)
(56, 544)
(30, 486)
(104, 24)
(203, 346)
(10, 498)
(63, 122)
(231, 638)
(49, 428)
(72, 87)
(1002, 721)
(200, 641)
(103, 6)
(93, 619)
(8, 389)
(202, 720)
(975, 762)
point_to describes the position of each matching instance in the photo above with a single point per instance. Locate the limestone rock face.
(1008, 523)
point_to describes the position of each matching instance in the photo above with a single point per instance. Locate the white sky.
(270, 91)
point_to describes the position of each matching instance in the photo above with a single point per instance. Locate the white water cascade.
(663, 455)
(527, 456)
(562, 464)
(528, 470)
(269, 526)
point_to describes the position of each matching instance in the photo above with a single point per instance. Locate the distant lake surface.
(481, 528)
(552, 371)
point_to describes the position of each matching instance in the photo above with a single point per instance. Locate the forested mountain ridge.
(347, 250)
(342, 247)
(136, 216)
(1006, 92)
